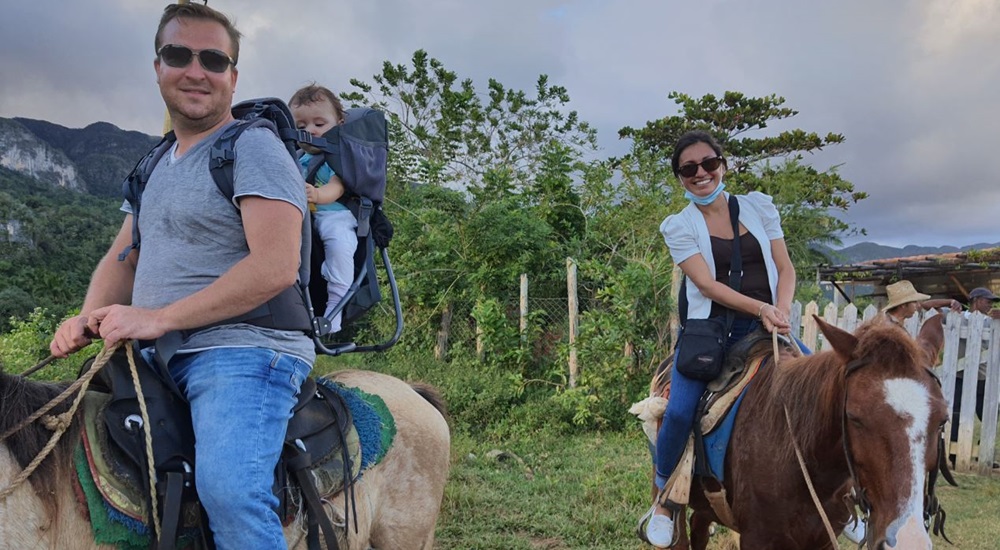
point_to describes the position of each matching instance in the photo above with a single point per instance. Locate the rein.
(41, 365)
(58, 423)
(798, 454)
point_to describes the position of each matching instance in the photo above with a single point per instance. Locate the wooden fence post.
(870, 313)
(988, 432)
(523, 326)
(970, 378)
(809, 328)
(850, 318)
(444, 333)
(796, 319)
(573, 319)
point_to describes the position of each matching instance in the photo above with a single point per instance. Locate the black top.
(754, 283)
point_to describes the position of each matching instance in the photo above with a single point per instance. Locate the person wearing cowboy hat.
(904, 300)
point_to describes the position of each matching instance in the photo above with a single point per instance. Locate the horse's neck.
(815, 415)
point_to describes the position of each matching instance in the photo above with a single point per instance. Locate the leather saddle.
(320, 434)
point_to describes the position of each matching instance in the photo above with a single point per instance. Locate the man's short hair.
(198, 11)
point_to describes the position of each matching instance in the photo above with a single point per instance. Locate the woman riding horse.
(701, 241)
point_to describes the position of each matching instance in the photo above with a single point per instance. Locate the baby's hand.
(312, 193)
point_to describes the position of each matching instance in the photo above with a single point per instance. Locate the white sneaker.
(656, 529)
(855, 530)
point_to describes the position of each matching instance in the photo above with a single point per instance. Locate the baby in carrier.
(316, 110)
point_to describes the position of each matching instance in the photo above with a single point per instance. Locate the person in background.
(316, 110)
(981, 300)
(903, 301)
(205, 261)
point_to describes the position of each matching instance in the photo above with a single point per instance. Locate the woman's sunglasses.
(710, 165)
(179, 57)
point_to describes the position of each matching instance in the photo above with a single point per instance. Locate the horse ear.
(931, 337)
(843, 342)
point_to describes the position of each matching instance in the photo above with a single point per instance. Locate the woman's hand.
(773, 319)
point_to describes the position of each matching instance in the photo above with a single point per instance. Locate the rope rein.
(60, 423)
(150, 466)
(798, 452)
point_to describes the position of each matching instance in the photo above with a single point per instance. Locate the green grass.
(588, 491)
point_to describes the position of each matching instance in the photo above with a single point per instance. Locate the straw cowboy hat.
(902, 293)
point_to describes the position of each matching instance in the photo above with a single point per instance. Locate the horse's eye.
(855, 420)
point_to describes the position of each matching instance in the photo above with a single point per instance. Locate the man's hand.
(117, 322)
(71, 336)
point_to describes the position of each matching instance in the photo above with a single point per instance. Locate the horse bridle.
(934, 514)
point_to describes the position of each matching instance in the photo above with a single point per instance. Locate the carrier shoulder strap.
(135, 184)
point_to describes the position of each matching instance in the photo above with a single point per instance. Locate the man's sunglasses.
(179, 57)
(710, 165)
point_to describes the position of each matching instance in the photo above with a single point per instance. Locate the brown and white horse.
(398, 500)
(866, 414)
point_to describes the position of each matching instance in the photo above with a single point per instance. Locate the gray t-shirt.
(191, 234)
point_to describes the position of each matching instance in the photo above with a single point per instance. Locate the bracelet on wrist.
(760, 312)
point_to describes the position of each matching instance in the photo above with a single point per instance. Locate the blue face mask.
(704, 201)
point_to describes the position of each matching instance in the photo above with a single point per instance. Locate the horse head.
(893, 417)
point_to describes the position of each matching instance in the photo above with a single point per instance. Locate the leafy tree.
(445, 132)
(481, 183)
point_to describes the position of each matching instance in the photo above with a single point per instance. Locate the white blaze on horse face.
(912, 402)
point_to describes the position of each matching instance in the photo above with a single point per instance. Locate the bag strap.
(735, 268)
(736, 263)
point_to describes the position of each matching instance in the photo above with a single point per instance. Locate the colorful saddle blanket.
(117, 506)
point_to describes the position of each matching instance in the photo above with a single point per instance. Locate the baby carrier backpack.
(357, 151)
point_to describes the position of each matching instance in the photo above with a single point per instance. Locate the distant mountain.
(866, 251)
(102, 153)
(24, 152)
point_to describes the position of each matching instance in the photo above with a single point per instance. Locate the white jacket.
(686, 234)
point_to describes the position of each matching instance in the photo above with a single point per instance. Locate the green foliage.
(487, 143)
(14, 304)
(60, 237)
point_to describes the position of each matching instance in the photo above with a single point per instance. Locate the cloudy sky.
(914, 85)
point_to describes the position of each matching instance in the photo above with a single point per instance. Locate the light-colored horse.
(398, 500)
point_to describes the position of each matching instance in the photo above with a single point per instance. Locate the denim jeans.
(241, 401)
(678, 419)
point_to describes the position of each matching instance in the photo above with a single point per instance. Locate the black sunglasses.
(179, 57)
(710, 165)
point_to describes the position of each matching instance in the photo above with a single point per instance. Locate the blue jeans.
(678, 419)
(241, 401)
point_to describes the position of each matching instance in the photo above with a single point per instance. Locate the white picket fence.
(968, 341)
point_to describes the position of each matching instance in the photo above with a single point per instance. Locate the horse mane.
(812, 387)
(19, 398)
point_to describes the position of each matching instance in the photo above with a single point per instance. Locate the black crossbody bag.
(701, 347)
